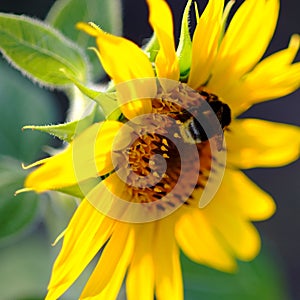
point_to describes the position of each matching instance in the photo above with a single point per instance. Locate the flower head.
(160, 158)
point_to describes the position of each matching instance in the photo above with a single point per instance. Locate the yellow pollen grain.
(163, 148)
(165, 142)
(165, 155)
(156, 174)
(176, 135)
(151, 162)
(157, 189)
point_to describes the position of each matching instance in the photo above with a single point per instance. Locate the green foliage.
(20, 102)
(258, 279)
(15, 212)
(42, 52)
(25, 269)
(46, 56)
(106, 13)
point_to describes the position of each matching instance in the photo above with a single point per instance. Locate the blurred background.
(25, 252)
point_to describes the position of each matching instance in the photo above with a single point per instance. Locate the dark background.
(281, 232)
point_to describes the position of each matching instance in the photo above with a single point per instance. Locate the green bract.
(184, 49)
(69, 130)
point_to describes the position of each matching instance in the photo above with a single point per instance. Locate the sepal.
(79, 190)
(67, 131)
(151, 48)
(184, 49)
(106, 100)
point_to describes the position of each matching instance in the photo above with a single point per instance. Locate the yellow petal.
(121, 58)
(234, 231)
(238, 195)
(88, 156)
(140, 277)
(205, 43)
(92, 150)
(273, 77)
(54, 173)
(161, 20)
(283, 82)
(168, 277)
(244, 43)
(86, 233)
(258, 143)
(134, 96)
(106, 280)
(281, 58)
(199, 242)
(123, 61)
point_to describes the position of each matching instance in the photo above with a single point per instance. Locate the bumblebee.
(192, 131)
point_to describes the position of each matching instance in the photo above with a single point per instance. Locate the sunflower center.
(168, 155)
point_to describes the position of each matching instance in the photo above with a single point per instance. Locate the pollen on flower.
(157, 164)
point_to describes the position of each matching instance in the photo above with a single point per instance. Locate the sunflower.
(146, 206)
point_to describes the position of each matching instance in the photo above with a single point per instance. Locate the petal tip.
(24, 190)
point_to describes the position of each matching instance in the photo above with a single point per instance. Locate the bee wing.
(218, 139)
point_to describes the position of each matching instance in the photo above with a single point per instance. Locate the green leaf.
(16, 212)
(64, 15)
(26, 264)
(20, 103)
(258, 279)
(25, 268)
(40, 52)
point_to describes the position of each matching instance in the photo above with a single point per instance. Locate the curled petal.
(123, 61)
(121, 58)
